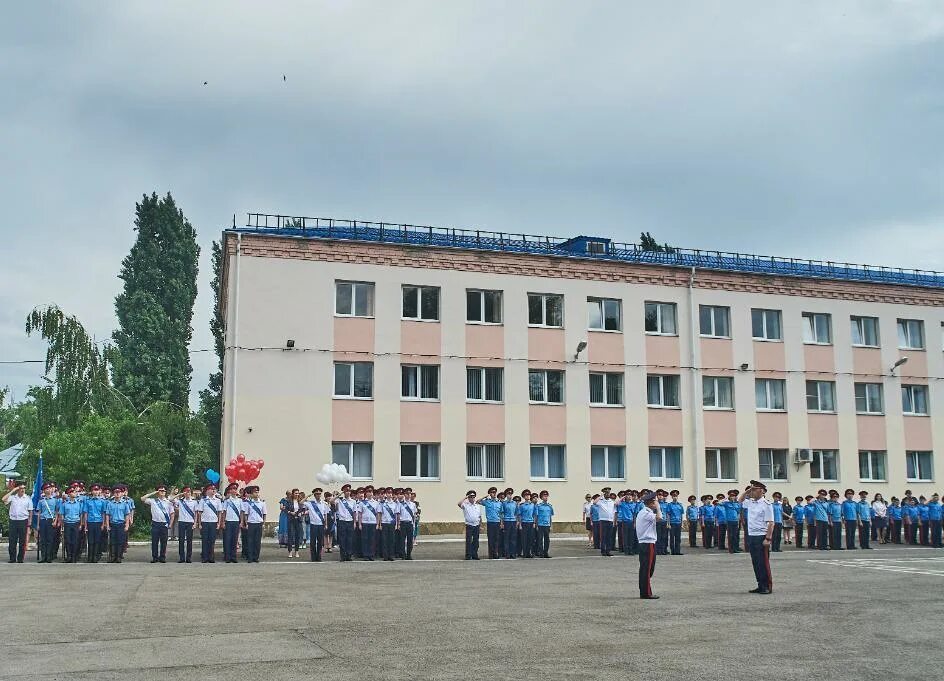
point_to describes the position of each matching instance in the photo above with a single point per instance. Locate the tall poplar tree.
(211, 398)
(155, 309)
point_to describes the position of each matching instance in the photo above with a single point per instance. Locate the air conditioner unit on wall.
(803, 455)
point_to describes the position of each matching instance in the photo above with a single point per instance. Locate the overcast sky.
(798, 129)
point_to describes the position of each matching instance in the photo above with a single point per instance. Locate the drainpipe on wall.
(235, 349)
(696, 412)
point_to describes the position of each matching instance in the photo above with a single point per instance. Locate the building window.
(919, 466)
(717, 392)
(865, 331)
(714, 321)
(596, 247)
(607, 463)
(606, 314)
(606, 389)
(823, 467)
(821, 396)
(665, 463)
(773, 464)
(769, 394)
(548, 462)
(720, 464)
(546, 310)
(872, 466)
(419, 381)
(419, 461)
(911, 334)
(353, 299)
(661, 319)
(354, 379)
(356, 457)
(421, 303)
(914, 400)
(484, 384)
(817, 328)
(868, 398)
(485, 462)
(765, 325)
(546, 386)
(483, 307)
(662, 391)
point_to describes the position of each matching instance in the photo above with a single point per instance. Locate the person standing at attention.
(760, 529)
(472, 514)
(646, 518)
(605, 510)
(185, 507)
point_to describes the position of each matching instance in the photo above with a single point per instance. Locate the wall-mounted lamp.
(290, 344)
(744, 366)
(898, 364)
(581, 346)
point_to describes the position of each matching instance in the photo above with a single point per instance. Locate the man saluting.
(646, 520)
(760, 529)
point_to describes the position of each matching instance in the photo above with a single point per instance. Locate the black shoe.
(181, 561)
(161, 560)
(411, 558)
(154, 560)
(468, 557)
(649, 598)
(473, 558)
(188, 561)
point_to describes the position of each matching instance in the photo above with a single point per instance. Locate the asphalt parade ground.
(833, 615)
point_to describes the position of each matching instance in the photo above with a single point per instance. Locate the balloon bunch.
(243, 469)
(333, 473)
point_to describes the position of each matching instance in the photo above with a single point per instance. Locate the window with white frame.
(662, 390)
(353, 299)
(821, 396)
(717, 392)
(606, 389)
(548, 462)
(765, 325)
(605, 314)
(714, 321)
(720, 464)
(483, 307)
(419, 381)
(419, 461)
(865, 331)
(665, 463)
(911, 334)
(817, 328)
(546, 386)
(914, 400)
(546, 309)
(769, 394)
(354, 380)
(772, 464)
(868, 398)
(485, 462)
(661, 319)
(824, 467)
(421, 303)
(919, 466)
(484, 384)
(356, 457)
(607, 463)
(872, 466)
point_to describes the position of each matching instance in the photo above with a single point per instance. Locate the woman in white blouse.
(880, 522)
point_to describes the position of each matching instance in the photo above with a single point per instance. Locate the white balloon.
(320, 477)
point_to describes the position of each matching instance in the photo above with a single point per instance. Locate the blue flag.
(37, 487)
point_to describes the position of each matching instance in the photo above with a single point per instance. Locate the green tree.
(155, 308)
(211, 398)
(648, 243)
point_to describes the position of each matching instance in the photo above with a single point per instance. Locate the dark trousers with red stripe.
(760, 558)
(647, 567)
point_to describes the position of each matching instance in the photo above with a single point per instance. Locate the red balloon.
(261, 463)
(240, 457)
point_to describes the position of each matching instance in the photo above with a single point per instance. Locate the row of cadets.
(253, 515)
(208, 522)
(318, 511)
(162, 510)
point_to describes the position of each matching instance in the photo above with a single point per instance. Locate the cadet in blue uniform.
(799, 516)
(595, 520)
(662, 523)
(70, 519)
(894, 521)
(162, 510)
(924, 519)
(646, 519)
(117, 521)
(625, 513)
(777, 507)
(208, 522)
(675, 512)
(93, 515)
(721, 522)
(47, 514)
(834, 509)
(543, 515)
(510, 524)
(185, 510)
(935, 513)
(706, 521)
(692, 516)
(732, 516)
(526, 511)
(865, 520)
(492, 521)
(850, 518)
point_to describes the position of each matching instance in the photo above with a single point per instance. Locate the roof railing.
(426, 235)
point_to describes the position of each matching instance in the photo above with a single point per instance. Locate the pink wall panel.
(824, 431)
(484, 342)
(607, 426)
(420, 338)
(918, 433)
(548, 424)
(720, 428)
(547, 346)
(485, 423)
(917, 364)
(663, 351)
(871, 432)
(665, 428)
(769, 356)
(604, 347)
(717, 353)
(819, 358)
(772, 430)
(420, 422)
(867, 361)
(352, 420)
(353, 334)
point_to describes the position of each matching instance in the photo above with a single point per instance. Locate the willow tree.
(78, 372)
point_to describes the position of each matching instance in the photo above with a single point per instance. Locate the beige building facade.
(571, 368)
